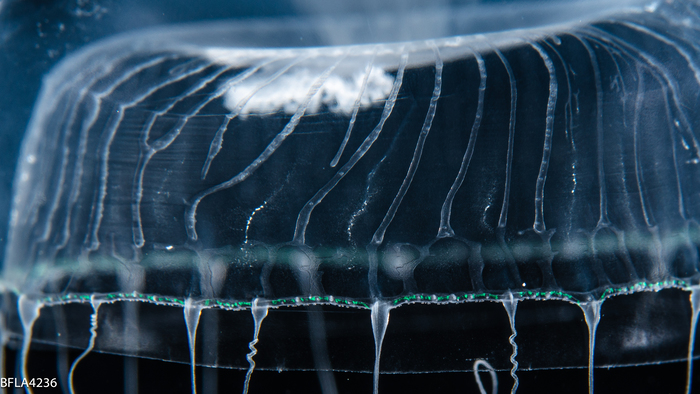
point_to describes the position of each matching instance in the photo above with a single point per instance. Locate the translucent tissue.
(428, 196)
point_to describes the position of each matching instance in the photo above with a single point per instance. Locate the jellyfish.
(507, 188)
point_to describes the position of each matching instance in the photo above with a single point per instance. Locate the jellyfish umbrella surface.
(516, 187)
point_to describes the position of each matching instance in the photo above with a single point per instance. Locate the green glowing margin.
(346, 302)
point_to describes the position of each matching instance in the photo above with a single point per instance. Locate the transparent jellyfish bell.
(388, 193)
